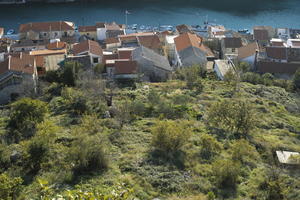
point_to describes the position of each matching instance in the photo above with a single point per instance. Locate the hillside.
(181, 139)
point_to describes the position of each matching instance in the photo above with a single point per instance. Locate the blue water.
(235, 16)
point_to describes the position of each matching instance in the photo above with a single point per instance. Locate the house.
(151, 65)
(91, 48)
(29, 45)
(248, 53)
(150, 42)
(283, 33)
(112, 43)
(183, 28)
(18, 75)
(216, 31)
(262, 34)
(109, 30)
(89, 31)
(1, 32)
(190, 50)
(47, 30)
(287, 68)
(222, 67)
(53, 56)
(230, 47)
(288, 158)
(170, 47)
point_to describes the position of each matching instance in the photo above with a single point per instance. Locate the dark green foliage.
(226, 173)
(25, 114)
(296, 80)
(233, 116)
(9, 187)
(209, 146)
(66, 75)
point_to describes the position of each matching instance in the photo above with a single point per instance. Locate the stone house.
(91, 48)
(47, 30)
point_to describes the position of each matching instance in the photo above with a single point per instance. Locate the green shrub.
(25, 114)
(226, 173)
(233, 116)
(169, 137)
(209, 146)
(296, 80)
(9, 187)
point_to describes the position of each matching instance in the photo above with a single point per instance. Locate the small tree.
(209, 146)
(234, 116)
(226, 172)
(242, 151)
(169, 137)
(296, 80)
(25, 114)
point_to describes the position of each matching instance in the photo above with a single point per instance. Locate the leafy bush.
(296, 80)
(226, 172)
(88, 154)
(209, 146)
(25, 114)
(9, 187)
(233, 116)
(169, 137)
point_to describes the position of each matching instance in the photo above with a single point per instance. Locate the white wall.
(101, 33)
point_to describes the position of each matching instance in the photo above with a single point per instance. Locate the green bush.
(209, 146)
(233, 116)
(296, 80)
(25, 114)
(9, 187)
(169, 137)
(226, 173)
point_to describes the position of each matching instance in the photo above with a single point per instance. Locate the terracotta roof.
(56, 45)
(232, 42)
(248, 50)
(278, 67)
(125, 67)
(186, 40)
(183, 28)
(109, 57)
(125, 54)
(47, 26)
(87, 28)
(277, 52)
(88, 46)
(261, 34)
(111, 40)
(47, 52)
(21, 63)
(112, 26)
(149, 41)
(100, 25)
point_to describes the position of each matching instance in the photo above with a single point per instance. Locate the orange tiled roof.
(88, 46)
(87, 28)
(56, 45)
(47, 26)
(149, 41)
(21, 63)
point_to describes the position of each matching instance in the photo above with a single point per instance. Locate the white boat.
(10, 32)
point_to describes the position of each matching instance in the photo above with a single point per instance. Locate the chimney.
(9, 60)
(21, 55)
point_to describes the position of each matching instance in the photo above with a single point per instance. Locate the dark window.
(66, 34)
(95, 60)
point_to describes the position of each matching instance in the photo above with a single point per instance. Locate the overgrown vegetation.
(192, 137)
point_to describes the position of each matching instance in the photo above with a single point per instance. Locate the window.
(45, 34)
(56, 34)
(66, 34)
(95, 60)
(233, 50)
